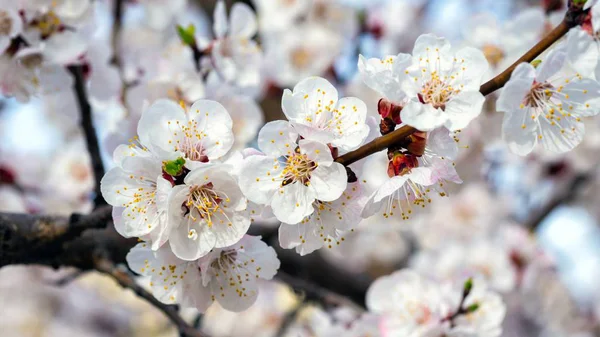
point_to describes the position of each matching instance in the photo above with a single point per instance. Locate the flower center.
(48, 24)
(401, 164)
(225, 260)
(298, 168)
(5, 23)
(436, 92)
(539, 94)
(191, 145)
(203, 202)
(300, 57)
(493, 54)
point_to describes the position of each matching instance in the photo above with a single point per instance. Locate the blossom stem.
(396, 136)
(87, 124)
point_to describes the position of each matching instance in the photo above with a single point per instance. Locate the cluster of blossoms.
(189, 188)
(178, 194)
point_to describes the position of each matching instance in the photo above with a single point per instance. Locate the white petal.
(519, 140)
(277, 139)
(514, 92)
(427, 44)
(140, 258)
(216, 125)
(260, 178)
(307, 103)
(423, 117)
(293, 202)
(475, 65)
(315, 151)
(329, 182)
(220, 20)
(555, 140)
(242, 21)
(158, 127)
(582, 50)
(553, 63)
(584, 95)
(462, 109)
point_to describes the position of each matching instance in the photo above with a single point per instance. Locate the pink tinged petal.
(442, 144)
(220, 20)
(553, 63)
(582, 51)
(462, 109)
(242, 21)
(293, 202)
(520, 131)
(215, 124)
(328, 182)
(315, 151)
(423, 117)
(390, 187)
(277, 139)
(312, 133)
(584, 96)
(260, 178)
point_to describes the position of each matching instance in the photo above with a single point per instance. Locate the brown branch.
(573, 17)
(87, 124)
(126, 281)
(317, 293)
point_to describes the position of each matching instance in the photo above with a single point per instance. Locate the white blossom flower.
(227, 275)
(327, 225)
(138, 192)
(11, 24)
(27, 74)
(442, 86)
(300, 52)
(482, 258)
(279, 15)
(410, 305)
(199, 134)
(545, 104)
(316, 113)
(410, 178)
(292, 174)
(57, 27)
(485, 320)
(503, 44)
(235, 55)
(206, 212)
(583, 45)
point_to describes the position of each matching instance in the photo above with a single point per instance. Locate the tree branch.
(126, 281)
(572, 18)
(87, 124)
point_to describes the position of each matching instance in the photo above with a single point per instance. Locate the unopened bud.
(536, 63)
(472, 308)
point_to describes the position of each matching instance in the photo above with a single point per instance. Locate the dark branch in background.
(568, 193)
(87, 124)
(126, 281)
(574, 17)
(81, 241)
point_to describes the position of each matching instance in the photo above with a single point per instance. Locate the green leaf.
(187, 34)
(174, 167)
(536, 63)
(473, 307)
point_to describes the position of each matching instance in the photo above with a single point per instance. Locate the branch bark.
(87, 124)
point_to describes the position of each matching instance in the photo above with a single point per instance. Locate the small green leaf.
(468, 286)
(473, 307)
(174, 167)
(579, 2)
(536, 63)
(187, 34)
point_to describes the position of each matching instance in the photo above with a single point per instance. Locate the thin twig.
(87, 124)
(116, 59)
(126, 281)
(317, 293)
